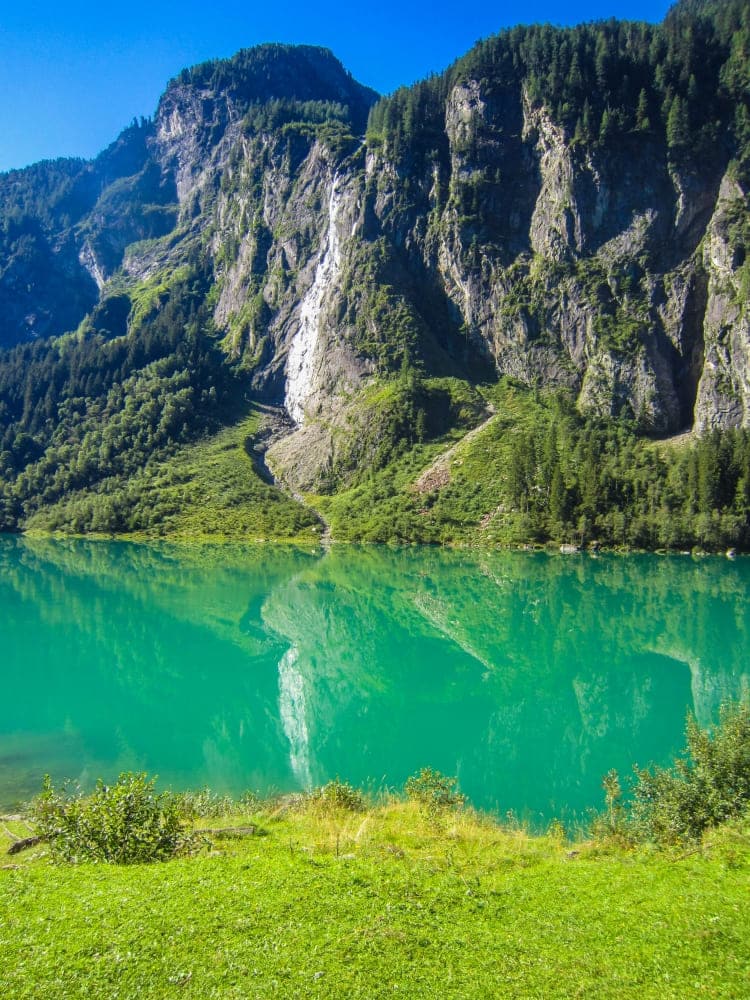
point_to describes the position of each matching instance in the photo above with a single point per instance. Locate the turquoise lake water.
(527, 675)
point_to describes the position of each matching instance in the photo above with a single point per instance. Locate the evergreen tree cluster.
(678, 81)
(53, 195)
(288, 73)
(580, 481)
(104, 402)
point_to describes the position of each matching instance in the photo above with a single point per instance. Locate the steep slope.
(65, 225)
(570, 194)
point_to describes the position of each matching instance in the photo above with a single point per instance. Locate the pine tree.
(678, 125)
(588, 121)
(642, 122)
(606, 128)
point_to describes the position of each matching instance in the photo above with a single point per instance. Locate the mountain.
(538, 255)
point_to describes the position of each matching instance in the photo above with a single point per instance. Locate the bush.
(612, 825)
(338, 795)
(204, 803)
(124, 823)
(708, 784)
(434, 791)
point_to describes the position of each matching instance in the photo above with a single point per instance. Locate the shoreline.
(548, 548)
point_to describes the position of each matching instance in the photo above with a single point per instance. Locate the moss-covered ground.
(387, 902)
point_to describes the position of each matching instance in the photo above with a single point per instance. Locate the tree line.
(686, 81)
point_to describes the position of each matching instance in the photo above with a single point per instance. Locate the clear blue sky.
(73, 73)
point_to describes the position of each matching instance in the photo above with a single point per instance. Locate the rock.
(724, 388)
(24, 844)
(232, 832)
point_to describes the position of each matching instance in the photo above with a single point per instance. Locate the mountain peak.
(276, 71)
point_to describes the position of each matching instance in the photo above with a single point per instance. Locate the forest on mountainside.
(686, 79)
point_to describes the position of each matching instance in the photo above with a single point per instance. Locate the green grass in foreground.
(386, 902)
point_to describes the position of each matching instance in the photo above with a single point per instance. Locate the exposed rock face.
(44, 289)
(602, 267)
(67, 225)
(724, 387)
(584, 268)
(281, 302)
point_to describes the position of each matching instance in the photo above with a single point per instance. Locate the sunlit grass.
(387, 507)
(382, 902)
(211, 490)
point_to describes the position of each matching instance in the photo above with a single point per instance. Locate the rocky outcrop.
(579, 267)
(281, 301)
(724, 387)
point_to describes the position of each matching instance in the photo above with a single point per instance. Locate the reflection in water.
(293, 709)
(529, 676)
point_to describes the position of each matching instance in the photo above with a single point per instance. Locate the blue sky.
(73, 74)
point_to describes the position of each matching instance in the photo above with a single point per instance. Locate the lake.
(527, 675)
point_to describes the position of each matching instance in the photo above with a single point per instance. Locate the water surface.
(527, 675)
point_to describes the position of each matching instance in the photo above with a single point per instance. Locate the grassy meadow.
(389, 900)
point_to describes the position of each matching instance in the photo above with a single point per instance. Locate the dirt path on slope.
(439, 473)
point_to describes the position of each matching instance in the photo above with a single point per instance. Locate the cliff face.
(723, 391)
(609, 269)
(65, 227)
(604, 267)
(491, 238)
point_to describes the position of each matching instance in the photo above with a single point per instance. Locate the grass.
(387, 902)
(208, 490)
(211, 490)
(466, 508)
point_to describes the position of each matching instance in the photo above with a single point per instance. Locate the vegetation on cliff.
(537, 471)
(680, 80)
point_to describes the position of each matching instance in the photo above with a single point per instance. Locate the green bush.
(613, 824)
(433, 791)
(708, 784)
(124, 823)
(337, 795)
(204, 804)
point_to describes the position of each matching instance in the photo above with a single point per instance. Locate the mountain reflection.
(527, 675)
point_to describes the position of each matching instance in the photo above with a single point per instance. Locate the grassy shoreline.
(327, 902)
(306, 541)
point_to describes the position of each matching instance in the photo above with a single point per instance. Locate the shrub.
(338, 794)
(124, 823)
(434, 791)
(708, 784)
(613, 824)
(204, 803)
